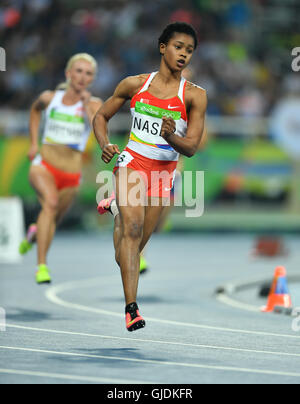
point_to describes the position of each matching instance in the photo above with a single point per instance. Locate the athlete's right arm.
(123, 92)
(37, 107)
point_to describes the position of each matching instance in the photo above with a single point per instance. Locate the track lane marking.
(52, 295)
(63, 376)
(156, 362)
(135, 340)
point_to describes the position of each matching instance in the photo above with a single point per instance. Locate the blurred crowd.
(243, 59)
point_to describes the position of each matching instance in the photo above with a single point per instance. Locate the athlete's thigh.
(130, 196)
(152, 216)
(130, 188)
(43, 183)
(66, 197)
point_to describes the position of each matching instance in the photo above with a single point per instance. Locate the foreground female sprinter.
(168, 119)
(55, 173)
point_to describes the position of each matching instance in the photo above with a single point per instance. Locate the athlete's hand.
(109, 151)
(168, 127)
(85, 97)
(33, 151)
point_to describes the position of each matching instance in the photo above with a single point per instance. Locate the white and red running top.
(66, 124)
(147, 112)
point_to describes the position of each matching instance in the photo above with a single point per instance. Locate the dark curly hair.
(177, 27)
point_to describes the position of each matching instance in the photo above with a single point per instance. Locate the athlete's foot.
(134, 321)
(143, 265)
(26, 244)
(42, 275)
(106, 204)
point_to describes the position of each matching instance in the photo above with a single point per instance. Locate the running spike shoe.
(42, 275)
(26, 244)
(143, 265)
(105, 204)
(134, 321)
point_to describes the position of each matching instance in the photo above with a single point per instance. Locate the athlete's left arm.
(188, 146)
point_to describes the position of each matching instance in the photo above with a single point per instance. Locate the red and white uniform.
(147, 151)
(64, 125)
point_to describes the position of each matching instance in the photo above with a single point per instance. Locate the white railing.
(16, 123)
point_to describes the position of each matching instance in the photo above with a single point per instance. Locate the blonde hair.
(72, 60)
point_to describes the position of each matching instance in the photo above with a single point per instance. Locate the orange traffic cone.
(279, 294)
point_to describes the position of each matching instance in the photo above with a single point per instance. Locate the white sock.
(114, 208)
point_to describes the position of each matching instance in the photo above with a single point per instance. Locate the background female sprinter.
(55, 171)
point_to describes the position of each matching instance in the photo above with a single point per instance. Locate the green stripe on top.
(156, 112)
(58, 116)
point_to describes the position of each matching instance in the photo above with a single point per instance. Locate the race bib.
(124, 159)
(147, 123)
(64, 129)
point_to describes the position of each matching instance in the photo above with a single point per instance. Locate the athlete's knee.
(51, 204)
(133, 230)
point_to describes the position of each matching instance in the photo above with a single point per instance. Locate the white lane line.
(63, 376)
(147, 341)
(236, 304)
(52, 295)
(157, 362)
